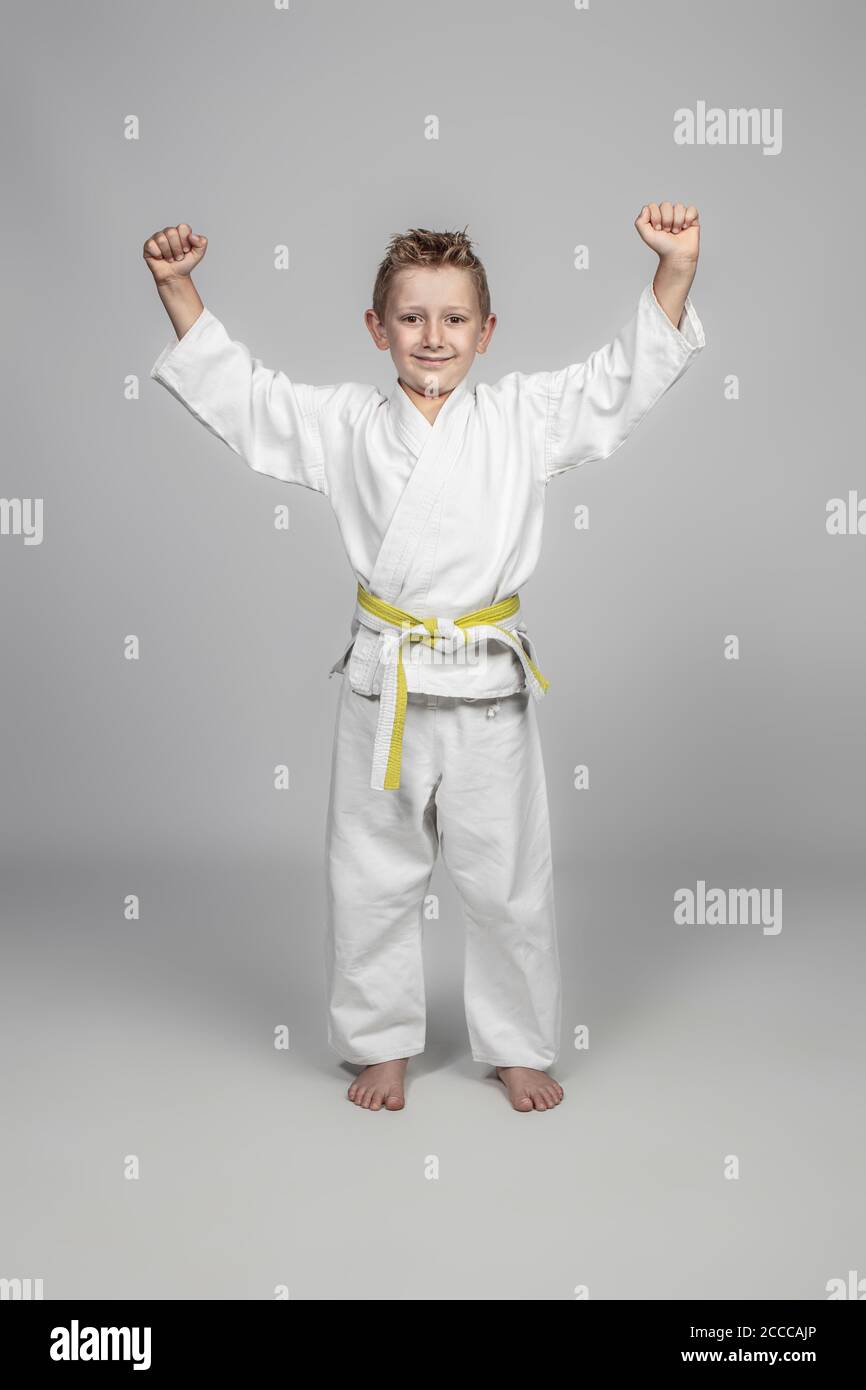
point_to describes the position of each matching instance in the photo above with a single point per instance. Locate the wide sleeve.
(273, 423)
(593, 406)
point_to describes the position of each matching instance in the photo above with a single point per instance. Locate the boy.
(438, 489)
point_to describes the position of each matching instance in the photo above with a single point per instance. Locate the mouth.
(432, 361)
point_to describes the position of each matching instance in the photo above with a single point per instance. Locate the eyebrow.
(418, 309)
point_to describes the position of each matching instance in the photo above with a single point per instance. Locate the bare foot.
(529, 1089)
(380, 1084)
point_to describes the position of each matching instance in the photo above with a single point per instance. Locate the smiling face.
(432, 328)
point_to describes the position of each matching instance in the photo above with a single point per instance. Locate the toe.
(394, 1101)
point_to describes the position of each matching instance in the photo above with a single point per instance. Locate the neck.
(428, 405)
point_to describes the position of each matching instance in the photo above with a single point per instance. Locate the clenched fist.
(174, 252)
(671, 230)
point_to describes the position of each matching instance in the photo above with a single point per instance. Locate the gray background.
(154, 777)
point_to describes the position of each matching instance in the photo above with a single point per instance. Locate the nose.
(434, 331)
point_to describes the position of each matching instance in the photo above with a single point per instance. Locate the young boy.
(438, 489)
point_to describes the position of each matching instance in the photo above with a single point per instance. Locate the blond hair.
(420, 247)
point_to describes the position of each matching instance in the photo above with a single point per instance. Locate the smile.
(433, 361)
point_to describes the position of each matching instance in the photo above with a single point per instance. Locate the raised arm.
(594, 406)
(272, 423)
(171, 255)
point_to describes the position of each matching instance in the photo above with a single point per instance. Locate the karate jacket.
(443, 518)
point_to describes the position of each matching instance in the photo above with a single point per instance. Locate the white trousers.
(472, 784)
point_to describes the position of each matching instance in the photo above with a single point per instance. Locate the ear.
(376, 329)
(486, 333)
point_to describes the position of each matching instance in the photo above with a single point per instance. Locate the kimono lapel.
(437, 446)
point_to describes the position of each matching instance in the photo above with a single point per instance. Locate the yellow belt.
(401, 627)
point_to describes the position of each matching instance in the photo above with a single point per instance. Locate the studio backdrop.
(176, 1125)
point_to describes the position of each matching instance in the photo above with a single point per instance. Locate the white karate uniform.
(438, 519)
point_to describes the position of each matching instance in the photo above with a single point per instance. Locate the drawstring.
(492, 709)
